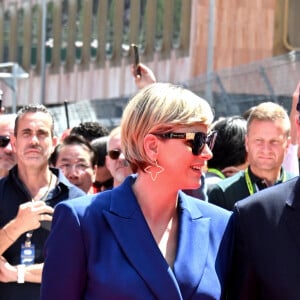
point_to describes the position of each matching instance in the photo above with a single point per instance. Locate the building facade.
(86, 42)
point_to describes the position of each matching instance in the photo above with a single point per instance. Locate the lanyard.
(248, 182)
(217, 172)
(28, 238)
(250, 185)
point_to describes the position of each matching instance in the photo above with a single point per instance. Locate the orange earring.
(154, 170)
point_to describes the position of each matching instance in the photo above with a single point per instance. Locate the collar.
(62, 182)
(256, 180)
(253, 180)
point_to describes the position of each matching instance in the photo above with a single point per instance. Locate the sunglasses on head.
(114, 154)
(4, 141)
(198, 139)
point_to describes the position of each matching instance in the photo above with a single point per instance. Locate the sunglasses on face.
(4, 141)
(197, 139)
(105, 184)
(114, 154)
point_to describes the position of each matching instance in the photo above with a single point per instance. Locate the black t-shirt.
(12, 194)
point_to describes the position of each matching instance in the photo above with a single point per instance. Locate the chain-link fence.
(233, 91)
(230, 92)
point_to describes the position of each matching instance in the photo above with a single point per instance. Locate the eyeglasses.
(4, 141)
(197, 139)
(68, 167)
(114, 154)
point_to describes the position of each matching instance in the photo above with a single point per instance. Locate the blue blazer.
(100, 247)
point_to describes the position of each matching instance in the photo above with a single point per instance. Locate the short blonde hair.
(159, 108)
(270, 111)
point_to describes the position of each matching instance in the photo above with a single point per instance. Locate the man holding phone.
(143, 75)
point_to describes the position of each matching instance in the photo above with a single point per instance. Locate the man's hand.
(29, 217)
(147, 77)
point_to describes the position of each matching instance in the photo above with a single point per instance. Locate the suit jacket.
(100, 247)
(267, 251)
(228, 191)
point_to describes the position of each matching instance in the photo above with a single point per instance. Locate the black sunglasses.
(106, 184)
(4, 141)
(197, 139)
(114, 154)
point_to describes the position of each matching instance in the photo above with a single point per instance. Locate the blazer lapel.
(190, 261)
(134, 237)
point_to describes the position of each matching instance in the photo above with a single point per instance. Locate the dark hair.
(33, 108)
(90, 130)
(100, 146)
(229, 148)
(73, 139)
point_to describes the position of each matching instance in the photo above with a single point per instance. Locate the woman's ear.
(151, 146)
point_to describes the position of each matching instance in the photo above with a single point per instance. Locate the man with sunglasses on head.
(267, 141)
(28, 195)
(115, 160)
(7, 156)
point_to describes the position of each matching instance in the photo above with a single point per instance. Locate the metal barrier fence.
(233, 91)
(230, 92)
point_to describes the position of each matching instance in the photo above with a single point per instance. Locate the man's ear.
(54, 141)
(151, 146)
(13, 142)
(246, 143)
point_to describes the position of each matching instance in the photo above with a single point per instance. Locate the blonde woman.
(146, 239)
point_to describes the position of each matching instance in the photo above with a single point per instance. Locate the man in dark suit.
(267, 244)
(267, 251)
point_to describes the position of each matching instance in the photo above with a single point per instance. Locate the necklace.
(44, 197)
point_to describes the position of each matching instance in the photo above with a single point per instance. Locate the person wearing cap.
(267, 141)
(267, 242)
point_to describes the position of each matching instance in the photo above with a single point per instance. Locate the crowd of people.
(171, 204)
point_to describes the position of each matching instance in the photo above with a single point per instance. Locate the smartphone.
(136, 59)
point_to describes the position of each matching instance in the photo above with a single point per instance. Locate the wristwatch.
(21, 273)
